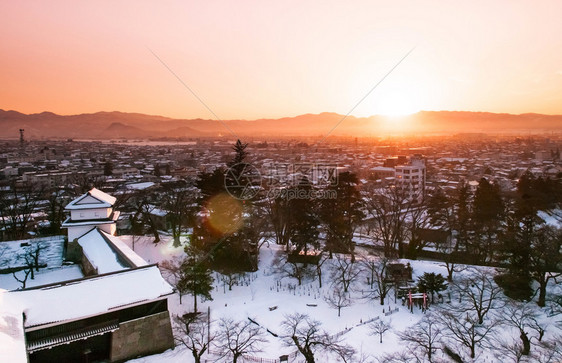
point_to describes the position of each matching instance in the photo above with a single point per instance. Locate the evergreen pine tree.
(340, 214)
(196, 279)
(431, 283)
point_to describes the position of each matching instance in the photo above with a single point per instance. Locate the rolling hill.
(119, 125)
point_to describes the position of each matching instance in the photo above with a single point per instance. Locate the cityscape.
(298, 182)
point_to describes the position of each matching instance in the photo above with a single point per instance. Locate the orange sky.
(253, 59)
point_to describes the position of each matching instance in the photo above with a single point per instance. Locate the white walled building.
(412, 177)
(92, 209)
(117, 310)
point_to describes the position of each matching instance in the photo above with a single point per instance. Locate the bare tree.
(23, 281)
(55, 210)
(379, 327)
(509, 349)
(401, 356)
(33, 255)
(84, 181)
(380, 286)
(3, 252)
(229, 278)
(522, 317)
(16, 208)
(386, 206)
(309, 338)
(192, 331)
(417, 218)
(556, 304)
(480, 294)
(292, 268)
(149, 220)
(338, 299)
(465, 330)
(370, 267)
(180, 205)
(321, 260)
(142, 214)
(235, 339)
(344, 352)
(448, 250)
(279, 213)
(549, 351)
(344, 272)
(172, 271)
(425, 336)
(539, 327)
(545, 258)
(30, 258)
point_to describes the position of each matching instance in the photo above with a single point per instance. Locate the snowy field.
(266, 297)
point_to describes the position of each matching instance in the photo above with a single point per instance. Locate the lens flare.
(225, 213)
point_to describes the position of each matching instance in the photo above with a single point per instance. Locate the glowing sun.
(395, 103)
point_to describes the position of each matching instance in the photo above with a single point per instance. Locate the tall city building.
(411, 177)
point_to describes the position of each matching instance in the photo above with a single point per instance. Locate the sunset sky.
(257, 59)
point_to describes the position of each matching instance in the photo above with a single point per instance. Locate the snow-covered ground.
(267, 298)
(45, 276)
(51, 255)
(263, 290)
(154, 253)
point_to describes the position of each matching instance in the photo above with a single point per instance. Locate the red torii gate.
(419, 297)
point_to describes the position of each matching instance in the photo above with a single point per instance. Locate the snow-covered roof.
(125, 251)
(382, 168)
(12, 336)
(94, 198)
(99, 253)
(78, 299)
(98, 194)
(140, 186)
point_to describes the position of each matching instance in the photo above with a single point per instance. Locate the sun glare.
(394, 103)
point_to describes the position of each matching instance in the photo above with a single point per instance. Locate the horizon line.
(276, 118)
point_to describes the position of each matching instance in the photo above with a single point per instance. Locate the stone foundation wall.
(148, 335)
(73, 252)
(87, 268)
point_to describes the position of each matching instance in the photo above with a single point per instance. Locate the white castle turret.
(90, 210)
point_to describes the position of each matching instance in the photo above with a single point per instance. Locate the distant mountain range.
(119, 125)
